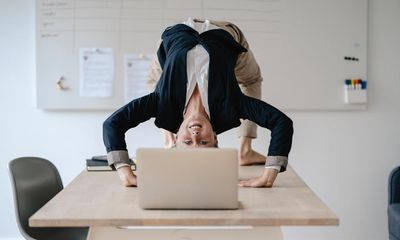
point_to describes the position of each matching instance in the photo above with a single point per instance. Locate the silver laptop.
(187, 178)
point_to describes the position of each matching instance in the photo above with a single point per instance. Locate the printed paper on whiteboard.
(96, 72)
(136, 67)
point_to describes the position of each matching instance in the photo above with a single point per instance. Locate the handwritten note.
(96, 71)
(136, 67)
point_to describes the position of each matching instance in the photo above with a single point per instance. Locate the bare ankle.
(245, 152)
(245, 146)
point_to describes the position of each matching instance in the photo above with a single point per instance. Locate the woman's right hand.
(127, 177)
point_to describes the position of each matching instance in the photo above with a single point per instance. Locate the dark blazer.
(227, 103)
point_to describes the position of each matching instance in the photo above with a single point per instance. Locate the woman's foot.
(250, 157)
(247, 156)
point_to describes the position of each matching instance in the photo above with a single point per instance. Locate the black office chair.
(35, 181)
(394, 204)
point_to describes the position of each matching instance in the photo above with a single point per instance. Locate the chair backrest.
(394, 186)
(35, 181)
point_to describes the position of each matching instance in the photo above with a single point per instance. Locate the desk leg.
(256, 233)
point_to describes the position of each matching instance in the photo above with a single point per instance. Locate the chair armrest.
(394, 186)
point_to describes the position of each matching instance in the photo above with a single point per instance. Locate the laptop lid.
(187, 178)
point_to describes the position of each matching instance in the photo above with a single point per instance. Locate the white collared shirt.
(197, 62)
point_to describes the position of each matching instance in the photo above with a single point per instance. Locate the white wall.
(345, 157)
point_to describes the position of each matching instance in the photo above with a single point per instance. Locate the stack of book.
(99, 163)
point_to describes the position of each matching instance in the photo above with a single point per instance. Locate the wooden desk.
(98, 200)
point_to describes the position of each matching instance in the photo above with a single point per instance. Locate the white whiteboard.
(299, 44)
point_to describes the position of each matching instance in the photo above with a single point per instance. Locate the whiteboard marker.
(348, 84)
